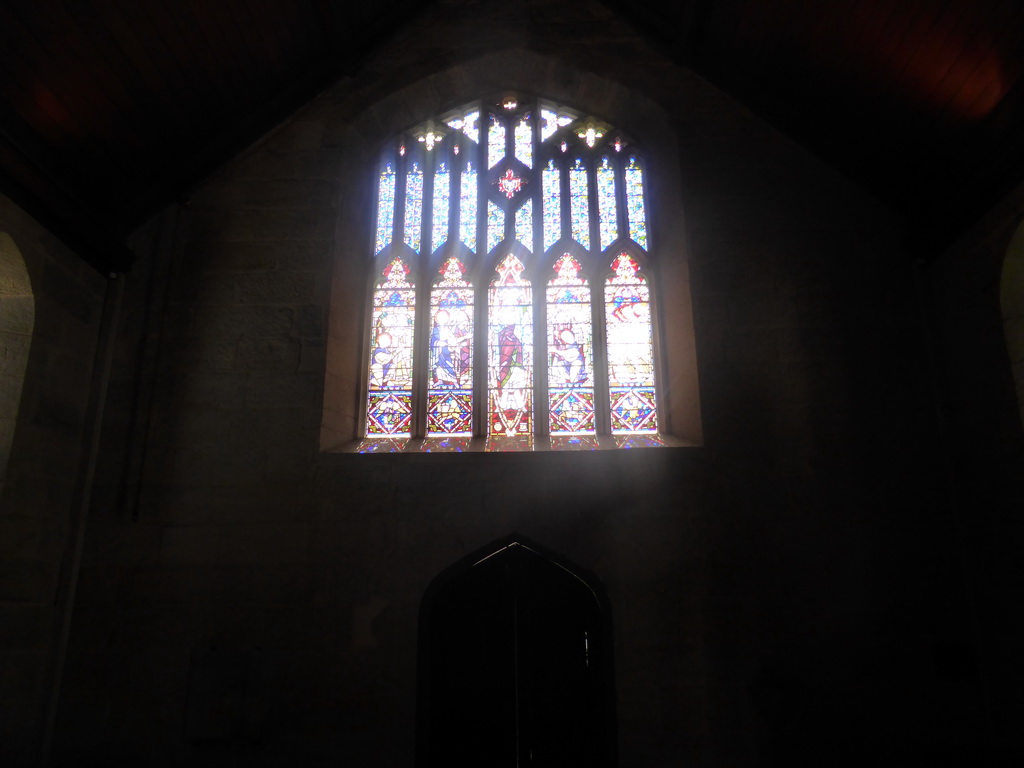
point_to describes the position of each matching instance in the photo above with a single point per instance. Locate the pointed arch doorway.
(515, 663)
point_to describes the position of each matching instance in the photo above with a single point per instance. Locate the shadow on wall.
(17, 317)
(1011, 300)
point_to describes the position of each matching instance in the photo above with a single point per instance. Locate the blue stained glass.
(635, 203)
(467, 207)
(413, 206)
(442, 193)
(524, 224)
(608, 217)
(578, 202)
(495, 143)
(495, 225)
(524, 142)
(385, 207)
(552, 194)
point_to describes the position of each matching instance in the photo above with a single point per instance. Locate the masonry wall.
(787, 593)
(53, 308)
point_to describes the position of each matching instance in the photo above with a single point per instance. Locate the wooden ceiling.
(111, 108)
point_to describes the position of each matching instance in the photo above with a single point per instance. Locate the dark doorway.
(515, 664)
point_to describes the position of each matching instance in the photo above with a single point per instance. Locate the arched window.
(512, 299)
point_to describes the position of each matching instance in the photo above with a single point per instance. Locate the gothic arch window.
(512, 302)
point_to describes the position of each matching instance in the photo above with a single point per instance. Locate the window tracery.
(542, 333)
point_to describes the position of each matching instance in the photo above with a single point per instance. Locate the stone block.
(31, 581)
(232, 323)
(188, 544)
(276, 288)
(275, 390)
(269, 354)
(24, 626)
(234, 225)
(17, 314)
(266, 544)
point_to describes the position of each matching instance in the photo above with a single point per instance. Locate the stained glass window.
(630, 349)
(389, 406)
(385, 207)
(495, 142)
(450, 392)
(495, 225)
(510, 352)
(524, 224)
(570, 351)
(467, 207)
(524, 142)
(552, 203)
(607, 216)
(579, 201)
(442, 192)
(634, 181)
(593, 387)
(413, 206)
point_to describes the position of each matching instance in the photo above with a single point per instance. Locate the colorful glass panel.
(467, 124)
(579, 200)
(570, 351)
(551, 121)
(439, 212)
(413, 206)
(385, 207)
(510, 352)
(450, 392)
(552, 193)
(495, 143)
(523, 138)
(495, 225)
(389, 399)
(524, 224)
(608, 219)
(630, 349)
(634, 181)
(467, 207)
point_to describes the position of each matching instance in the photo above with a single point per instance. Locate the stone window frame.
(360, 140)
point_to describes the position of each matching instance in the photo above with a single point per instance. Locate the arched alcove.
(1011, 299)
(515, 663)
(17, 318)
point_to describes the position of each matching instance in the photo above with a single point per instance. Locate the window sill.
(512, 445)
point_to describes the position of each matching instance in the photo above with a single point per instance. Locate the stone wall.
(51, 341)
(788, 593)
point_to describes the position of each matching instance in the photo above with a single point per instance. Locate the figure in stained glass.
(389, 405)
(450, 395)
(511, 338)
(630, 349)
